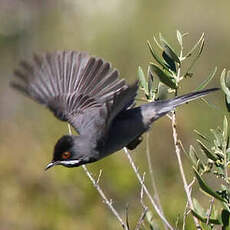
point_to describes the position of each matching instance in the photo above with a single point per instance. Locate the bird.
(88, 93)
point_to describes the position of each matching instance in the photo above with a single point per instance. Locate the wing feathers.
(71, 83)
(122, 99)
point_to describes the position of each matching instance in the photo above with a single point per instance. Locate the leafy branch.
(168, 69)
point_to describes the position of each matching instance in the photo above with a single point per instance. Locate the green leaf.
(217, 136)
(205, 82)
(149, 217)
(162, 91)
(215, 212)
(151, 91)
(204, 219)
(227, 79)
(200, 135)
(157, 43)
(200, 166)
(194, 47)
(201, 48)
(169, 61)
(226, 206)
(223, 84)
(193, 155)
(225, 129)
(201, 214)
(188, 72)
(227, 102)
(169, 50)
(156, 57)
(142, 79)
(207, 152)
(206, 188)
(179, 37)
(225, 215)
(195, 160)
(164, 77)
(228, 154)
(198, 208)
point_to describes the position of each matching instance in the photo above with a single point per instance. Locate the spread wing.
(80, 89)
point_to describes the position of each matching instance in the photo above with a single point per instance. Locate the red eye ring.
(66, 155)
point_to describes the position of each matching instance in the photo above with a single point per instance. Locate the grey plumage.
(86, 92)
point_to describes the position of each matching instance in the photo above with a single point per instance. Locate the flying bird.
(86, 92)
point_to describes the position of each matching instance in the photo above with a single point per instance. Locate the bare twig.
(104, 198)
(185, 215)
(142, 193)
(187, 210)
(99, 176)
(210, 210)
(191, 184)
(145, 208)
(141, 219)
(101, 193)
(156, 194)
(178, 154)
(155, 206)
(69, 129)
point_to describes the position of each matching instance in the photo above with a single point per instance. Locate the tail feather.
(163, 107)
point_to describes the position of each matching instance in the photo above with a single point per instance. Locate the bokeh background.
(117, 30)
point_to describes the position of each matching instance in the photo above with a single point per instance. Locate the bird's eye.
(66, 155)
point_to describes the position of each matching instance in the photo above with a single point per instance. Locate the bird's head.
(71, 151)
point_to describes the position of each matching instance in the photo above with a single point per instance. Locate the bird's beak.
(69, 164)
(50, 165)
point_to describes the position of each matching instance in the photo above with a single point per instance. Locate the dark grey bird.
(86, 92)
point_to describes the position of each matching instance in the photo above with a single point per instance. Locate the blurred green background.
(117, 30)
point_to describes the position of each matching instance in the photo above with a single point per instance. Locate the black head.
(70, 151)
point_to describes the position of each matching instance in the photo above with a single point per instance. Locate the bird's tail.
(163, 107)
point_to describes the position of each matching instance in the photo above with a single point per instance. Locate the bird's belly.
(123, 131)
